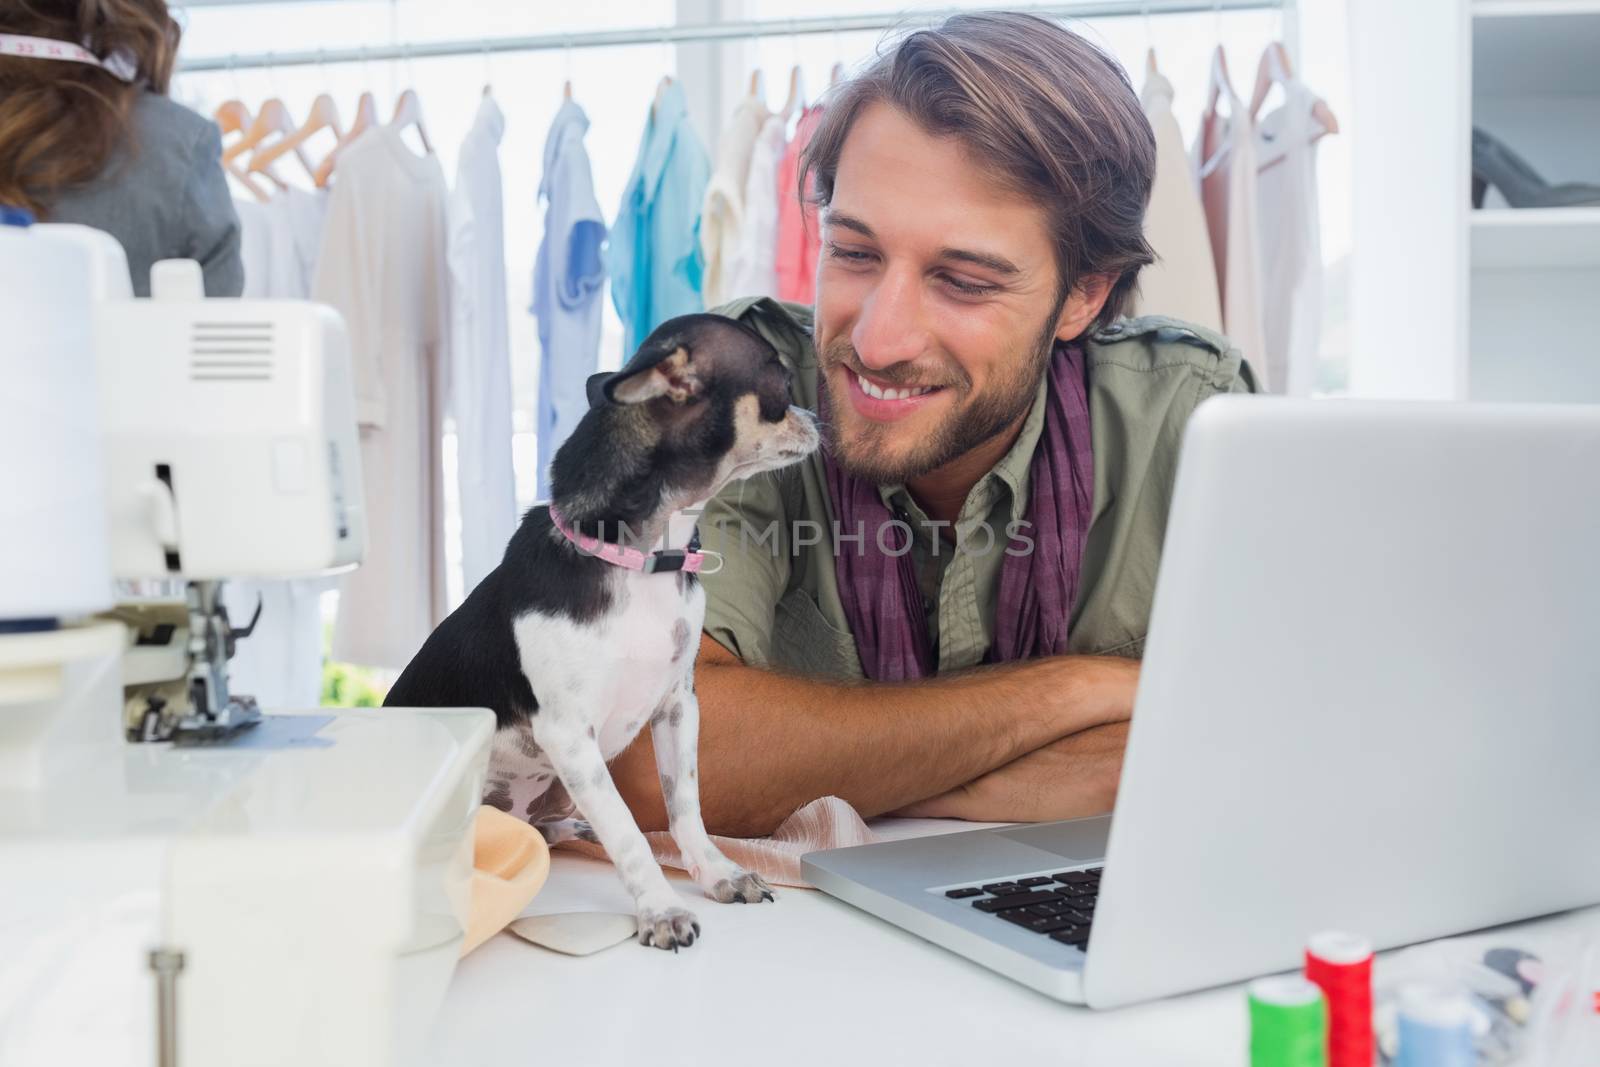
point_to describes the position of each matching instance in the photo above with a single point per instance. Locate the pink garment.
(825, 823)
(798, 238)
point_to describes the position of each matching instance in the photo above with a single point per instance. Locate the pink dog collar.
(665, 561)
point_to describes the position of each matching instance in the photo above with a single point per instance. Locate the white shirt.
(280, 663)
(479, 375)
(722, 216)
(279, 243)
(755, 266)
(1225, 157)
(569, 276)
(1182, 282)
(383, 266)
(1291, 241)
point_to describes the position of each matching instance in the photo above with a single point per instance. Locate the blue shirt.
(656, 261)
(568, 275)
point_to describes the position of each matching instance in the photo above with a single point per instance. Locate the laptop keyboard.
(1060, 906)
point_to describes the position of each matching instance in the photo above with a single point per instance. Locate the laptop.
(1370, 701)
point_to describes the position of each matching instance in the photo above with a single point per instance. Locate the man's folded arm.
(772, 742)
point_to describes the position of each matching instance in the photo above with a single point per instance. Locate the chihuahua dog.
(589, 626)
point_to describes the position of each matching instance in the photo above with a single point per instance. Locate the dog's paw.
(672, 928)
(743, 888)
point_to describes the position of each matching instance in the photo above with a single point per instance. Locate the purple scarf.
(882, 600)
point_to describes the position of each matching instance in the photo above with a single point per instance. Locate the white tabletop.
(809, 979)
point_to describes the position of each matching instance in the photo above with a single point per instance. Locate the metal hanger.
(232, 116)
(666, 79)
(324, 116)
(273, 117)
(1276, 69)
(797, 83)
(566, 55)
(1149, 44)
(408, 110)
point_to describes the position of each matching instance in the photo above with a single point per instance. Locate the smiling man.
(942, 611)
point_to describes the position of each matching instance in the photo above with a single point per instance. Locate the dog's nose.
(805, 426)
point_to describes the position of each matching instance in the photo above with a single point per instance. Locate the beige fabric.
(577, 933)
(1225, 157)
(722, 217)
(755, 269)
(510, 863)
(825, 823)
(1291, 241)
(1182, 282)
(383, 267)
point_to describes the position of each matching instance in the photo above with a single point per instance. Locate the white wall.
(1409, 198)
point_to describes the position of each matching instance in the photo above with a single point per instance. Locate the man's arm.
(771, 743)
(1066, 779)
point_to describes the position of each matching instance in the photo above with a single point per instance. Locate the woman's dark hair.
(60, 123)
(1045, 112)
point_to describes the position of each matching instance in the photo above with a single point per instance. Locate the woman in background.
(102, 145)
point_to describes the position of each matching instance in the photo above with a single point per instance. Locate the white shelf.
(1485, 9)
(1536, 238)
(1536, 50)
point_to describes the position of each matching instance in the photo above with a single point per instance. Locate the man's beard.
(974, 419)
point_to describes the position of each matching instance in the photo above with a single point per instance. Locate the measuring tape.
(12, 44)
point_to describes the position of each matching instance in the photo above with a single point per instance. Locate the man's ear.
(674, 375)
(1083, 304)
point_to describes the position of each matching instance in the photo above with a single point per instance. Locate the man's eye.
(967, 288)
(849, 255)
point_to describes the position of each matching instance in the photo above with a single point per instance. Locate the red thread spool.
(1341, 964)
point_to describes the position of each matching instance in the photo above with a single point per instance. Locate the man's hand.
(1066, 779)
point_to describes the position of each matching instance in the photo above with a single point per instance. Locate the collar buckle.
(665, 561)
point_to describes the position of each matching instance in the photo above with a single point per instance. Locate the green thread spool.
(1288, 1023)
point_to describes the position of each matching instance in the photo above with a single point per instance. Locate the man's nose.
(889, 330)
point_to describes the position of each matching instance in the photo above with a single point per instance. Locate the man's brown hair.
(61, 123)
(1050, 115)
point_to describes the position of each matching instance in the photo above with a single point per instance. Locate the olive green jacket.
(775, 602)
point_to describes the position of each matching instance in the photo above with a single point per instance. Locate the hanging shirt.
(723, 216)
(255, 246)
(1291, 242)
(656, 264)
(383, 266)
(755, 264)
(1225, 158)
(280, 663)
(798, 238)
(568, 276)
(1182, 282)
(280, 241)
(479, 375)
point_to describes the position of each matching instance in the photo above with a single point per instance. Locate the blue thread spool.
(1435, 1029)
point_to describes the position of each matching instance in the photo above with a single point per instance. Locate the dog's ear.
(668, 371)
(595, 388)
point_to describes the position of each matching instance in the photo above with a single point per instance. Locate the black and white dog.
(590, 624)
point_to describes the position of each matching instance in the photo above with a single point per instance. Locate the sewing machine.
(187, 878)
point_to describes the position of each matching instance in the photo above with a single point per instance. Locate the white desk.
(810, 980)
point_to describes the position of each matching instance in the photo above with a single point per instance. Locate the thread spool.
(1340, 965)
(56, 563)
(1288, 1023)
(1435, 1029)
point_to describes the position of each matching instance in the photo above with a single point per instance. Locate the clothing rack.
(721, 31)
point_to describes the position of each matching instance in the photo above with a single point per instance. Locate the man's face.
(937, 301)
